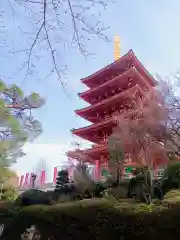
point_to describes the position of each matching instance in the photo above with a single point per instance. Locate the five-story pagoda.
(110, 90)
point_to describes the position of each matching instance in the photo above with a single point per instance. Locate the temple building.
(110, 90)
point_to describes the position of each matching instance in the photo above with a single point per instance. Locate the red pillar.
(97, 170)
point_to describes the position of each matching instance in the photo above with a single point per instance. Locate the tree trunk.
(118, 174)
(150, 184)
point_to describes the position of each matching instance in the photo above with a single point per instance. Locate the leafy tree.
(10, 194)
(17, 124)
(6, 173)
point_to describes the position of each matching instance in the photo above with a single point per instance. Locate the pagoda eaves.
(96, 132)
(118, 66)
(101, 152)
(92, 153)
(119, 83)
(102, 107)
(90, 132)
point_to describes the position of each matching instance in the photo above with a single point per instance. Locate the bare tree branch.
(54, 24)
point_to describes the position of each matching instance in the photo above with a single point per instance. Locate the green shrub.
(4, 208)
(119, 192)
(172, 194)
(171, 198)
(98, 219)
(10, 194)
(171, 179)
(33, 196)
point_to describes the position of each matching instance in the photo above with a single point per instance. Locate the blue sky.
(150, 28)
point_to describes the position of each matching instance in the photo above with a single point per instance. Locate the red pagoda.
(108, 93)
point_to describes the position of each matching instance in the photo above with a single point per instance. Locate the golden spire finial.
(116, 47)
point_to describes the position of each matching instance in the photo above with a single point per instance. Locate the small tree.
(62, 179)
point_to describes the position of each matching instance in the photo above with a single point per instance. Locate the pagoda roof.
(90, 110)
(90, 131)
(91, 80)
(89, 154)
(112, 84)
(97, 151)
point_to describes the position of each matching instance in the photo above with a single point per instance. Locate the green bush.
(171, 179)
(33, 196)
(172, 194)
(119, 192)
(4, 208)
(10, 194)
(98, 219)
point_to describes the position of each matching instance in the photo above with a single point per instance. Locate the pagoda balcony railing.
(100, 144)
(110, 94)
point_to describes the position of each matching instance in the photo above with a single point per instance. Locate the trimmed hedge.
(97, 219)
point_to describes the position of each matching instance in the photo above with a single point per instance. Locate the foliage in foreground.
(17, 123)
(98, 219)
(9, 194)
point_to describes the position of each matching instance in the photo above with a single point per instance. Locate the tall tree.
(49, 26)
(17, 125)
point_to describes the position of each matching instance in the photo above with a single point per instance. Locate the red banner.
(26, 181)
(43, 176)
(55, 175)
